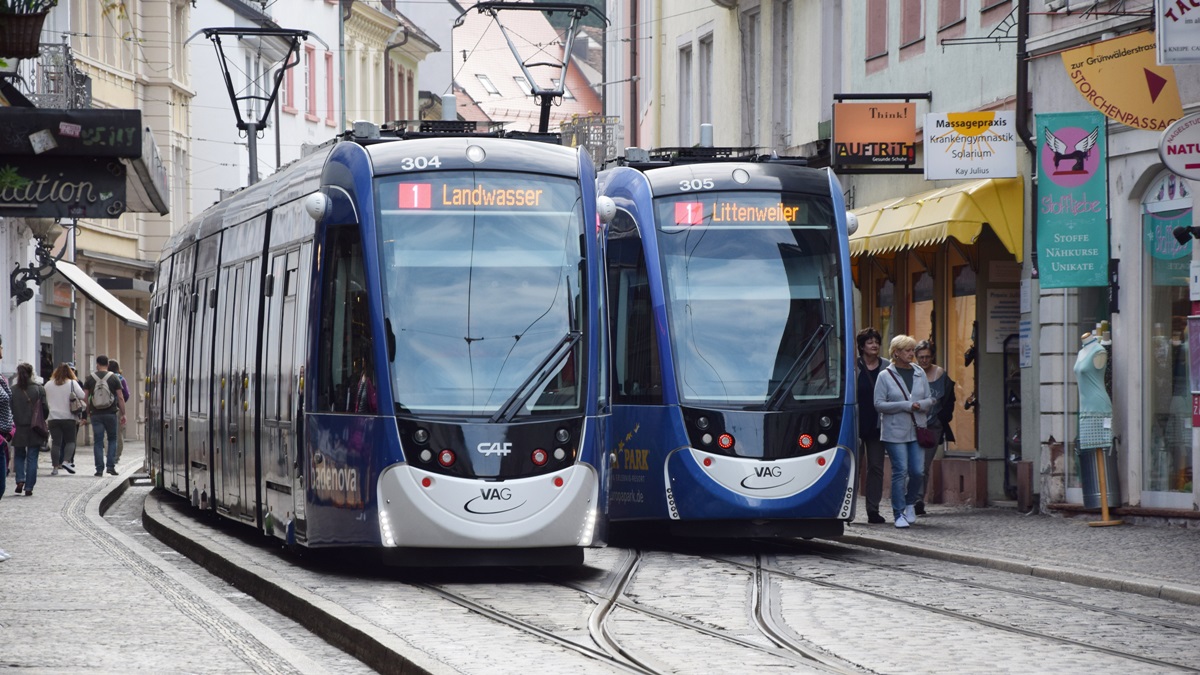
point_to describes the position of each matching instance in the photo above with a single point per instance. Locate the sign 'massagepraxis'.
(961, 146)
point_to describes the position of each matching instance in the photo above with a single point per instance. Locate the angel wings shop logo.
(1068, 156)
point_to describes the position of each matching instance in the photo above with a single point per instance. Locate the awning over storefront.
(959, 211)
(97, 294)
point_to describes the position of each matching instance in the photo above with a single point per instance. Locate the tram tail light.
(447, 458)
(725, 441)
(540, 457)
(806, 441)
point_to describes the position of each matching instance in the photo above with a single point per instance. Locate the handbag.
(77, 404)
(37, 418)
(925, 435)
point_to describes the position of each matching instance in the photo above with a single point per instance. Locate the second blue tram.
(733, 371)
(390, 344)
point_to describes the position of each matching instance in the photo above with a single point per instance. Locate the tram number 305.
(696, 184)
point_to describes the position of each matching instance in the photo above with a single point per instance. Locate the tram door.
(178, 316)
(156, 371)
(283, 355)
(200, 373)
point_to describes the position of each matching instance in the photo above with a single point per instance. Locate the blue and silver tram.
(390, 343)
(732, 354)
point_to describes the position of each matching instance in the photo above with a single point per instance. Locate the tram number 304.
(696, 184)
(420, 163)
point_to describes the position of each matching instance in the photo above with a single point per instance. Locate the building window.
(329, 106)
(781, 67)
(1167, 442)
(877, 12)
(567, 95)
(523, 84)
(912, 22)
(310, 84)
(288, 91)
(706, 78)
(488, 85)
(412, 95)
(685, 96)
(750, 78)
(950, 12)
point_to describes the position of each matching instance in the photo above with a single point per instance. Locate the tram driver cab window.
(346, 380)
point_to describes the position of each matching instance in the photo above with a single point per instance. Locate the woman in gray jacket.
(903, 399)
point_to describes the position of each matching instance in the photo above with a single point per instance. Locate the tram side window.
(637, 374)
(347, 372)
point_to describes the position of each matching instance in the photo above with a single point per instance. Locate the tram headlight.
(825, 422)
(426, 455)
(562, 435)
(421, 436)
(701, 423)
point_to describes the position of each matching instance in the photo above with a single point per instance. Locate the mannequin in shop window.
(1095, 406)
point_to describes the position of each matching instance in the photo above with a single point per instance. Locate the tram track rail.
(772, 570)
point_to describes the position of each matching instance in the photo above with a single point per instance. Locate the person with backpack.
(115, 368)
(106, 409)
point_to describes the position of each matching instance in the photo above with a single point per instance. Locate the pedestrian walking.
(903, 400)
(67, 404)
(114, 367)
(6, 433)
(941, 387)
(869, 365)
(29, 411)
(106, 409)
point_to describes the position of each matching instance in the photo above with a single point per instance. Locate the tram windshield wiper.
(544, 371)
(775, 402)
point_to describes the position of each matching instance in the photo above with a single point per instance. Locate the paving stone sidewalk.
(1155, 561)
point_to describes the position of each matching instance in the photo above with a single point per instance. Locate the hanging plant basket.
(20, 34)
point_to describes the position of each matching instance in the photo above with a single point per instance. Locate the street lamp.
(45, 232)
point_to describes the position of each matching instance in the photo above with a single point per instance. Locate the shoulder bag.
(77, 402)
(37, 416)
(925, 436)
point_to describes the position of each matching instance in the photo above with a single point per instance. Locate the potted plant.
(21, 26)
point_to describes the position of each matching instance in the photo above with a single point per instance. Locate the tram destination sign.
(443, 196)
(45, 187)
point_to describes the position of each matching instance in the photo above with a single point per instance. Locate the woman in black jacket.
(26, 395)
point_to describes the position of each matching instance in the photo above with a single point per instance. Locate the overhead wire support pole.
(291, 38)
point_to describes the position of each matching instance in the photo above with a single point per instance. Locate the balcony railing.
(52, 80)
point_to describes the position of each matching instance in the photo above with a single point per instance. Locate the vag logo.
(764, 471)
(486, 448)
(495, 493)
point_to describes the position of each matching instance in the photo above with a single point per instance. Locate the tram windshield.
(482, 276)
(754, 301)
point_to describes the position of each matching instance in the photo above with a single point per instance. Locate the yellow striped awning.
(959, 211)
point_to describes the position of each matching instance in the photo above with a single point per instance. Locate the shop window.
(882, 316)
(920, 307)
(960, 357)
(1167, 458)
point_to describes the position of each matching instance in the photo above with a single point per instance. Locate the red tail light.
(725, 441)
(446, 458)
(806, 441)
(539, 457)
